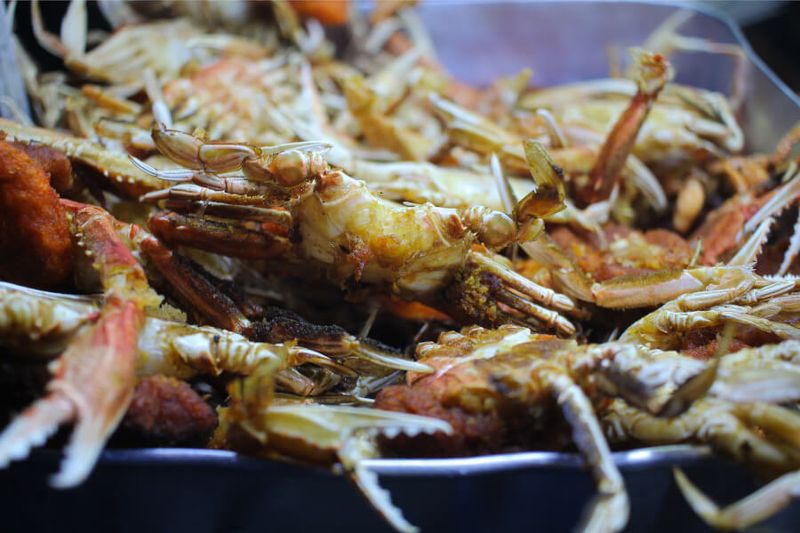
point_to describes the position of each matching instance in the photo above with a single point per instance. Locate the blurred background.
(773, 29)
(771, 26)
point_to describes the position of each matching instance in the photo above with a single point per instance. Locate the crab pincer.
(93, 380)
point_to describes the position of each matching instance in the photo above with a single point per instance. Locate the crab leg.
(751, 510)
(40, 322)
(181, 350)
(230, 186)
(768, 500)
(245, 239)
(653, 73)
(94, 378)
(187, 280)
(568, 276)
(780, 200)
(285, 326)
(609, 511)
(324, 434)
(694, 288)
(709, 420)
(793, 249)
(769, 373)
(663, 383)
(113, 165)
(191, 198)
(658, 329)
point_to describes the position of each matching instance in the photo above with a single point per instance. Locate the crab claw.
(94, 378)
(93, 383)
(548, 195)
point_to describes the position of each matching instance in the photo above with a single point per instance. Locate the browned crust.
(34, 233)
(166, 410)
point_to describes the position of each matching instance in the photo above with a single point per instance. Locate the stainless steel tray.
(203, 490)
(206, 490)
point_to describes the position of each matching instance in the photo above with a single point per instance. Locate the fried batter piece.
(34, 236)
(167, 411)
(53, 162)
(474, 395)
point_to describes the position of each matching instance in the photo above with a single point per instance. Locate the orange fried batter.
(473, 433)
(35, 244)
(53, 162)
(166, 410)
(491, 403)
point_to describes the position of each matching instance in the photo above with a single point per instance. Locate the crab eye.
(293, 167)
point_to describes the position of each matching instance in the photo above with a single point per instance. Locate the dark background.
(777, 39)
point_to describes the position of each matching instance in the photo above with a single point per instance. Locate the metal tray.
(211, 491)
(204, 490)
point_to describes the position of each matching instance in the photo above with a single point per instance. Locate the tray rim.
(627, 460)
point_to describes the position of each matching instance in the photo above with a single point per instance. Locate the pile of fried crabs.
(224, 230)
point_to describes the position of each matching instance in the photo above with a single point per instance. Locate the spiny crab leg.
(287, 164)
(41, 322)
(166, 347)
(781, 198)
(610, 508)
(654, 71)
(792, 250)
(93, 379)
(749, 251)
(113, 165)
(747, 512)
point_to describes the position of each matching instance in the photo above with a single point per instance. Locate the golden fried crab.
(259, 234)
